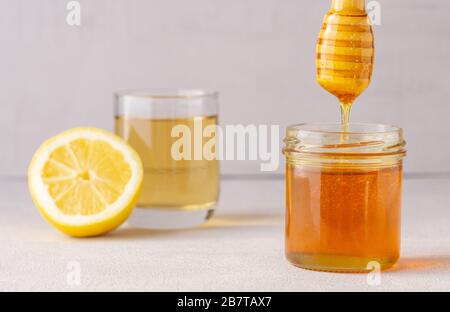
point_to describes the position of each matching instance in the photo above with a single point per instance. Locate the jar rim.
(330, 140)
(336, 128)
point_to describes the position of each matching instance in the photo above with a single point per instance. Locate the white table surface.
(241, 249)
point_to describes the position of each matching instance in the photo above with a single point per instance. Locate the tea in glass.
(176, 192)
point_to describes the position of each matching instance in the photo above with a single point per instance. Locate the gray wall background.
(260, 54)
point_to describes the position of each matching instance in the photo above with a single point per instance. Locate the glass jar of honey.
(343, 196)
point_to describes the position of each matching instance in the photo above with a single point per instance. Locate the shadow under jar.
(343, 196)
(181, 183)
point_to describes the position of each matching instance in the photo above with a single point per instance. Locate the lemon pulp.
(85, 181)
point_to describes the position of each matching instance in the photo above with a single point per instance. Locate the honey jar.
(343, 196)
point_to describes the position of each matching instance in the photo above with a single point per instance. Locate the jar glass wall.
(178, 190)
(343, 196)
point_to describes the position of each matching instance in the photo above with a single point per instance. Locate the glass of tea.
(174, 132)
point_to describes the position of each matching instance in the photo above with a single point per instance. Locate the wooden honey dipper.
(345, 53)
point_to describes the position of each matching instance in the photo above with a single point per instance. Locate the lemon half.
(85, 181)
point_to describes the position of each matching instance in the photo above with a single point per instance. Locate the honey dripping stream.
(345, 53)
(345, 116)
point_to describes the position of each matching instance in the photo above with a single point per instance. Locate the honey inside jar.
(343, 217)
(343, 200)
